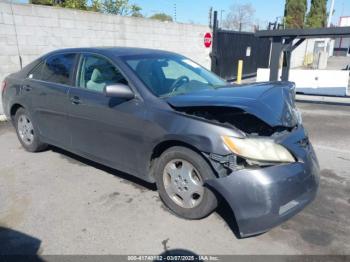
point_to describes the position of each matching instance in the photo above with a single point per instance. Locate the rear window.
(55, 69)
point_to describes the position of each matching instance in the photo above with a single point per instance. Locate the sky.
(197, 11)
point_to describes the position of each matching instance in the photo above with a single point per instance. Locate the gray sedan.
(163, 118)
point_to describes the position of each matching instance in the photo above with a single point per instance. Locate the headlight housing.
(260, 149)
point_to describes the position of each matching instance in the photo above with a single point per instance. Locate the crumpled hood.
(272, 102)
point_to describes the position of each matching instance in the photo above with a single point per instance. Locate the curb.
(344, 101)
(3, 118)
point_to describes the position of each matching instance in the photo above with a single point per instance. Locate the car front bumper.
(266, 197)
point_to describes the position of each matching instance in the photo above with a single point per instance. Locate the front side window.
(58, 69)
(169, 75)
(97, 72)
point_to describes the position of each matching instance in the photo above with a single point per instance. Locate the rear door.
(105, 129)
(48, 85)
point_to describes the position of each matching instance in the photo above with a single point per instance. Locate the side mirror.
(120, 91)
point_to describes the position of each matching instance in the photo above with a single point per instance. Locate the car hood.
(272, 102)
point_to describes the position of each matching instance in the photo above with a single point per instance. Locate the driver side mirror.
(119, 90)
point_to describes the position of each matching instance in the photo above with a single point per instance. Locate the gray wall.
(40, 29)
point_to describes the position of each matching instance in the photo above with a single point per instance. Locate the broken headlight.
(260, 149)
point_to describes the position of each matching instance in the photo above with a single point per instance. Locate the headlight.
(261, 149)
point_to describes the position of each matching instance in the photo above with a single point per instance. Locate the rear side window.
(55, 69)
(36, 72)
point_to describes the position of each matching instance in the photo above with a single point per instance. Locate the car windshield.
(170, 75)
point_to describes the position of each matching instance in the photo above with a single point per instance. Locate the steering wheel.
(179, 82)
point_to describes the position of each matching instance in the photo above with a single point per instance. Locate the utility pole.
(174, 12)
(210, 17)
(330, 14)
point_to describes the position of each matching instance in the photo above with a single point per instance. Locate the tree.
(317, 17)
(239, 17)
(121, 7)
(75, 4)
(162, 17)
(294, 13)
(96, 6)
(41, 2)
(117, 7)
(136, 11)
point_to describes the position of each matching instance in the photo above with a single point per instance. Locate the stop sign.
(207, 40)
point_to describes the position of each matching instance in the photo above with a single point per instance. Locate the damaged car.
(161, 117)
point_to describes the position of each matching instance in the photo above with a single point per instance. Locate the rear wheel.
(27, 131)
(180, 177)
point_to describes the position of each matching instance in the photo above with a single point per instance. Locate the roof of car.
(116, 51)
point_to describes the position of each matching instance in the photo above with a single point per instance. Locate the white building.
(342, 45)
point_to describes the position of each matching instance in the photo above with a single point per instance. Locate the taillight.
(3, 86)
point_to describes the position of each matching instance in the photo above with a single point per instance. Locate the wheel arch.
(162, 146)
(14, 108)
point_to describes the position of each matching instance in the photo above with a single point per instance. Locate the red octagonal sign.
(207, 40)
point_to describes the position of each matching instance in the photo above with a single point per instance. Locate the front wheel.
(27, 132)
(180, 176)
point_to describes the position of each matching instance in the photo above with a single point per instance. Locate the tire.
(27, 132)
(183, 192)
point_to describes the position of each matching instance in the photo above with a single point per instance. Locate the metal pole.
(214, 51)
(215, 21)
(330, 14)
(210, 17)
(276, 50)
(239, 72)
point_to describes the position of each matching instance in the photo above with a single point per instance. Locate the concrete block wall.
(40, 29)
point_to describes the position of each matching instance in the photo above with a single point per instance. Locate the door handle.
(75, 100)
(27, 88)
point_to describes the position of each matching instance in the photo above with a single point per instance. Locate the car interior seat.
(96, 81)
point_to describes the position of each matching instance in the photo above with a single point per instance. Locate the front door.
(105, 129)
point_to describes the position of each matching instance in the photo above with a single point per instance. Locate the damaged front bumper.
(263, 198)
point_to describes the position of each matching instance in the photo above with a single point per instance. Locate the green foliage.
(96, 6)
(136, 11)
(41, 2)
(317, 17)
(295, 12)
(162, 17)
(121, 7)
(118, 7)
(75, 4)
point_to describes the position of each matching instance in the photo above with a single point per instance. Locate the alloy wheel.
(25, 129)
(183, 183)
